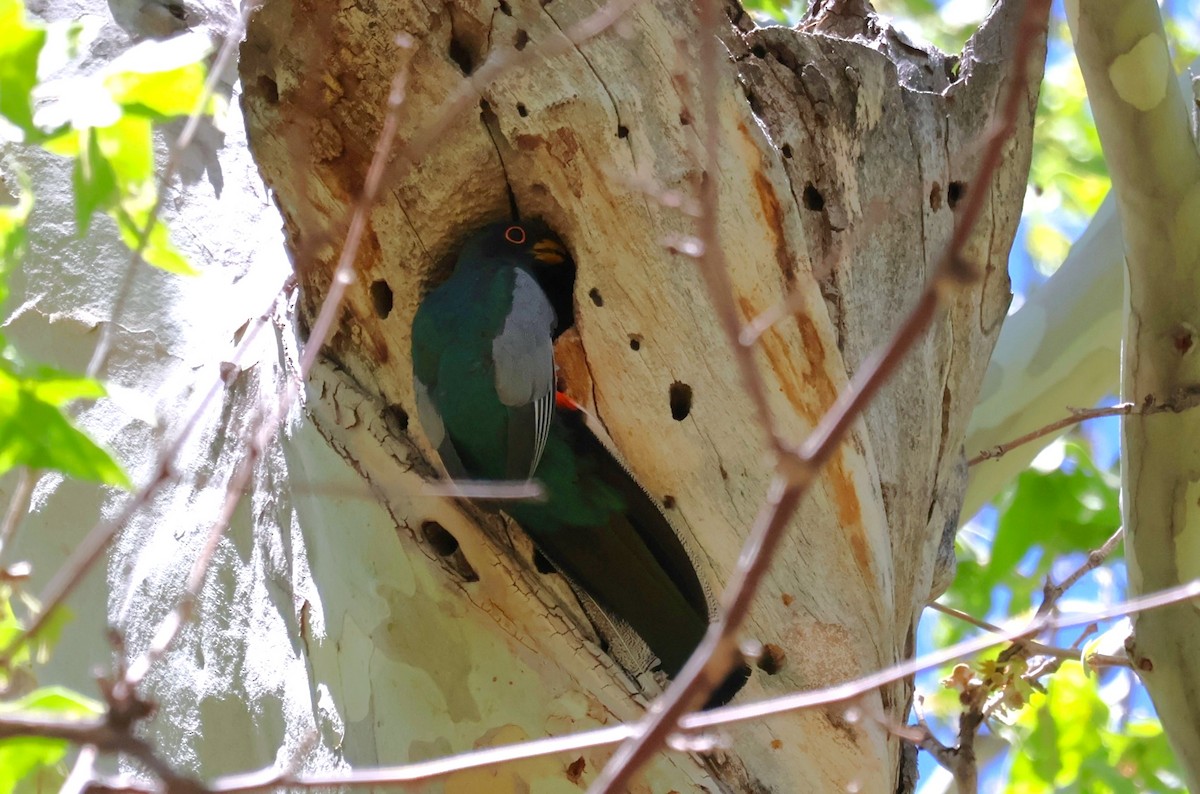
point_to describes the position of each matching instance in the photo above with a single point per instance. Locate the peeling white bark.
(1142, 117)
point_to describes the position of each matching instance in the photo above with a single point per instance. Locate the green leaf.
(1043, 516)
(54, 701)
(161, 79)
(1072, 508)
(21, 757)
(128, 146)
(35, 432)
(20, 46)
(94, 182)
(13, 218)
(1062, 728)
(159, 251)
(1066, 744)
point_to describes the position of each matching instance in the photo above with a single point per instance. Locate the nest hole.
(460, 53)
(812, 198)
(269, 89)
(955, 193)
(398, 416)
(680, 395)
(382, 298)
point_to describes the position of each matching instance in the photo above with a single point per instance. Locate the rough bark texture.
(845, 150)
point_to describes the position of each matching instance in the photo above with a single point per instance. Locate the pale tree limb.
(1142, 117)
(124, 689)
(1061, 348)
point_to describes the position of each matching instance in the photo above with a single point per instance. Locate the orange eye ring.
(515, 235)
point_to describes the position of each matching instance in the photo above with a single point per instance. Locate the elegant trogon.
(484, 378)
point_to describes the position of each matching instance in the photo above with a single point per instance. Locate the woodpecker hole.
(635, 342)
(381, 298)
(812, 198)
(541, 564)
(460, 53)
(786, 149)
(505, 8)
(398, 415)
(446, 546)
(269, 89)
(522, 111)
(685, 118)
(681, 400)
(772, 659)
(439, 539)
(955, 193)
(669, 502)
(575, 771)
(935, 197)
(521, 39)
(622, 131)
(597, 298)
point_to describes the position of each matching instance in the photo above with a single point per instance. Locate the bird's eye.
(515, 235)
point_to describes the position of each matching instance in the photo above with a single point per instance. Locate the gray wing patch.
(523, 353)
(435, 431)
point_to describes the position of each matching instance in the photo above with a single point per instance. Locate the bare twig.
(101, 734)
(500, 63)
(960, 760)
(98, 539)
(1035, 647)
(1051, 593)
(713, 266)
(82, 771)
(1182, 401)
(18, 506)
(98, 733)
